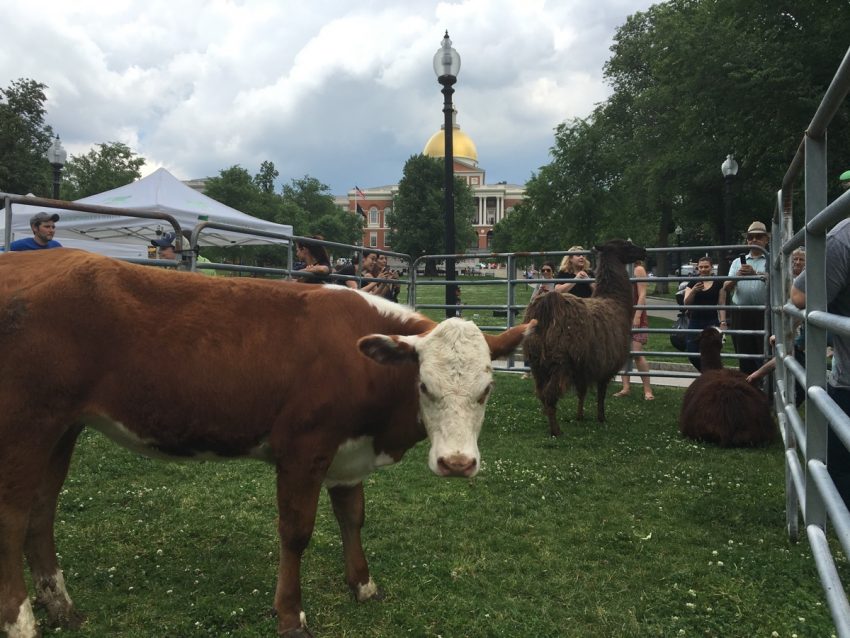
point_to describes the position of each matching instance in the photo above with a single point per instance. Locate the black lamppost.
(729, 168)
(446, 66)
(56, 155)
(678, 232)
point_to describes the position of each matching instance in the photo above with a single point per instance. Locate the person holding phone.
(703, 292)
(749, 293)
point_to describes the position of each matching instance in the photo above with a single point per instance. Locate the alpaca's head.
(711, 339)
(622, 250)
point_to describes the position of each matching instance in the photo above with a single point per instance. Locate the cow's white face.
(455, 379)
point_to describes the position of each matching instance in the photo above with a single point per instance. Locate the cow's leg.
(23, 461)
(16, 617)
(298, 499)
(349, 508)
(40, 546)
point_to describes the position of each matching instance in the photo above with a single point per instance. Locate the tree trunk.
(664, 229)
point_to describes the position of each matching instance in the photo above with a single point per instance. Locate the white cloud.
(345, 93)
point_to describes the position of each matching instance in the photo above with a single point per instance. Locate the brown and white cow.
(326, 383)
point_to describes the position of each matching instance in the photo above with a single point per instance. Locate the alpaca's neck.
(612, 281)
(710, 357)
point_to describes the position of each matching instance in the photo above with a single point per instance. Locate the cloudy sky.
(341, 91)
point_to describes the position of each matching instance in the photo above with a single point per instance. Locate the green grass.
(621, 529)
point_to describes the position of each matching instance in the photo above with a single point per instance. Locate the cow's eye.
(423, 388)
(484, 394)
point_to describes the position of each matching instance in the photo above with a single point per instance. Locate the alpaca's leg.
(581, 392)
(601, 389)
(549, 392)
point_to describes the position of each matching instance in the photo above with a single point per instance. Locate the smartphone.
(743, 258)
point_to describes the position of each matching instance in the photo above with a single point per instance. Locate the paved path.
(656, 301)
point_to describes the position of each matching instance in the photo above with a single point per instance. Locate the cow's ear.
(505, 343)
(388, 350)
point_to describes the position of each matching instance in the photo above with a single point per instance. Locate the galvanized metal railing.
(811, 493)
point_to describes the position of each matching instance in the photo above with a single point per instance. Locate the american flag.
(359, 192)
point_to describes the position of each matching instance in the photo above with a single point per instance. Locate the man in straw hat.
(749, 293)
(43, 227)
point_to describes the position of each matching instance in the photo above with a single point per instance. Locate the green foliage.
(692, 80)
(621, 530)
(24, 139)
(315, 212)
(417, 219)
(306, 204)
(109, 166)
(265, 179)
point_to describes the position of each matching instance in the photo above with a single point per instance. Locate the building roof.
(462, 144)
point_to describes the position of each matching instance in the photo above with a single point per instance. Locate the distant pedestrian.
(547, 270)
(575, 267)
(43, 226)
(164, 246)
(749, 293)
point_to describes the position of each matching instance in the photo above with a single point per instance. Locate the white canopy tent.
(159, 192)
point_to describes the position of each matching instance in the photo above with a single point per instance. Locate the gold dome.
(462, 146)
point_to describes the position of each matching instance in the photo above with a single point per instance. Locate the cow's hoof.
(65, 619)
(73, 620)
(368, 591)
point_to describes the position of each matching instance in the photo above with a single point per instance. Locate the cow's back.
(192, 361)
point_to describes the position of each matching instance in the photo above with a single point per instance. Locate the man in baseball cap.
(43, 227)
(165, 246)
(752, 292)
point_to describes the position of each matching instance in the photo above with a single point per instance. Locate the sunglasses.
(545, 270)
(754, 236)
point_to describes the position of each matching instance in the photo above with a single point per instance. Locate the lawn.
(621, 529)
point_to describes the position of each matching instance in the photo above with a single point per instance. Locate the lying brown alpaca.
(583, 342)
(720, 406)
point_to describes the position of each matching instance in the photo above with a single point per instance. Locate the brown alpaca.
(720, 406)
(581, 342)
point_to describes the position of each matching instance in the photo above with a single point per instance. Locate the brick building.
(492, 201)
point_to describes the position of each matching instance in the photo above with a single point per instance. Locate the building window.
(386, 214)
(373, 216)
(373, 240)
(473, 180)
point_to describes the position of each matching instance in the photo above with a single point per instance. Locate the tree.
(24, 139)
(305, 204)
(692, 81)
(314, 212)
(417, 219)
(266, 177)
(109, 166)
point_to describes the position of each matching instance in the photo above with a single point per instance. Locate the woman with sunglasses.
(547, 271)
